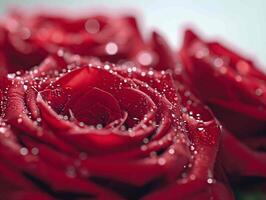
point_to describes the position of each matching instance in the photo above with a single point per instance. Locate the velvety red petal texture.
(109, 132)
(89, 109)
(234, 88)
(30, 38)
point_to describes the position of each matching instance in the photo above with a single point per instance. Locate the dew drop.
(202, 52)
(143, 74)
(123, 128)
(153, 154)
(111, 48)
(65, 117)
(171, 151)
(135, 118)
(134, 69)
(144, 58)
(19, 120)
(161, 161)
(35, 151)
(99, 126)
(192, 148)
(25, 33)
(107, 67)
(60, 52)
(150, 72)
(11, 76)
(187, 93)
(70, 172)
(23, 151)
(83, 156)
(143, 147)
(145, 140)
(92, 26)
(218, 62)
(184, 109)
(210, 180)
(192, 177)
(18, 73)
(81, 124)
(200, 128)
(84, 172)
(189, 102)
(2, 130)
(223, 70)
(258, 91)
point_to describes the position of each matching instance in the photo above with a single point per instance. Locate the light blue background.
(241, 23)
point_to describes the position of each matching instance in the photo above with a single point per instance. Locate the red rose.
(234, 89)
(72, 129)
(74, 126)
(30, 38)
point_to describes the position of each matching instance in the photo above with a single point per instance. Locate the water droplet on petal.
(145, 58)
(35, 151)
(223, 70)
(107, 67)
(145, 140)
(71, 172)
(200, 128)
(218, 62)
(143, 74)
(192, 177)
(171, 151)
(184, 109)
(84, 172)
(153, 154)
(25, 33)
(81, 124)
(19, 120)
(210, 180)
(2, 130)
(111, 48)
(99, 126)
(150, 72)
(11, 76)
(24, 151)
(60, 52)
(161, 161)
(18, 73)
(202, 52)
(92, 26)
(258, 91)
(83, 156)
(143, 147)
(187, 93)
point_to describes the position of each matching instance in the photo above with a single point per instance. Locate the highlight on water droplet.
(111, 48)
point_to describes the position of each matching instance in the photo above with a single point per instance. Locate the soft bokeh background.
(240, 23)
